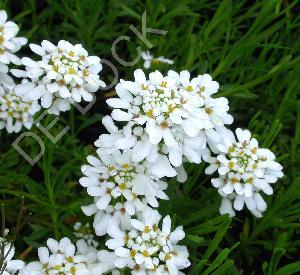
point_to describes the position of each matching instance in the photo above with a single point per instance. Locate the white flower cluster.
(120, 188)
(64, 258)
(150, 60)
(157, 124)
(8, 266)
(170, 119)
(9, 43)
(148, 249)
(244, 170)
(15, 111)
(64, 75)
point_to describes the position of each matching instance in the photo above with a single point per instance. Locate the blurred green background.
(250, 47)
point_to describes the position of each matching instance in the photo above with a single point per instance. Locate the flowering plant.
(159, 174)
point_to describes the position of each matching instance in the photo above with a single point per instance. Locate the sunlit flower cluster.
(244, 170)
(63, 258)
(9, 43)
(15, 111)
(172, 118)
(158, 123)
(148, 248)
(64, 75)
(120, 187)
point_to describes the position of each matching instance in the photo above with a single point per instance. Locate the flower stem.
(47, 164)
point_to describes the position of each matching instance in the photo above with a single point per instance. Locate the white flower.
(158, 162)
(9, 43)
(119, 213)
(85, 232)
(64, 75)
(7, 265)
(150, 60)
(172, 118)
(147, 247)
(5, 79)
(244, 170)
(15, 111)
(120, 186)
(63, 258)
(106, 260)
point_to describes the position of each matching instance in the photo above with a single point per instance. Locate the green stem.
(47, 164)
(72, 122)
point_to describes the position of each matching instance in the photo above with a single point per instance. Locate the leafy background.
(250, 47)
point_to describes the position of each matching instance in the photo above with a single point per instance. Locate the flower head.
(120, 185)
(63, 258)
(64, 75)
(151, 60)
(172, 117)
(244, 170)
(15, 111)
(147, 247)
(9, 43)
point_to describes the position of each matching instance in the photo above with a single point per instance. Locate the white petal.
(226, 207)
(228, 188)
(3, 17)
(122, 252)
(46, 101)
(48, 46)
(118, 103)
(139, 76)
(162, 168)
(181, 174)
(141, 150)
(103, 202)
(166, 226)
(238, 203)
(120, 115)
(250, 203)
(43, 254)
(37, 49)
(260, 202)
(168, 138)
(108, 123)
(154, 132)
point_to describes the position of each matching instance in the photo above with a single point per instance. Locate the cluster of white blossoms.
(8, 266)
(171, 119)
(65, 74)
(168, 120)
(120, 188)
(9, 43)
(244, 170)
(15, 111)
(148, 249)
(150, 60)
(157, 124)
(63, 257)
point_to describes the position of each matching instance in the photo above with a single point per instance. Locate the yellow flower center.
(71, 71)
